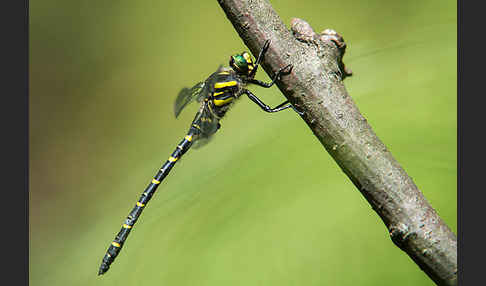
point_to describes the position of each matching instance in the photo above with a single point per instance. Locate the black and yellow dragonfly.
(216, 95)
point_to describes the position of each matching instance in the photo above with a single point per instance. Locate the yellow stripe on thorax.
(172, 159)
(154, 181)
(225, 84)
(115, 244)
(220, 102)
(126, 226)
(140, 204)
(188, 138)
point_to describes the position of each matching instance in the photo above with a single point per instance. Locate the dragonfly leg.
(277, 76)
(260, 58)
(282, 106)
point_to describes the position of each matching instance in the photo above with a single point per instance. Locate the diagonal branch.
(315, 87)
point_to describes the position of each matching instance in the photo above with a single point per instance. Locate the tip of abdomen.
(103, 268)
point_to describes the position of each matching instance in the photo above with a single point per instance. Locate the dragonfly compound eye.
(239, 63)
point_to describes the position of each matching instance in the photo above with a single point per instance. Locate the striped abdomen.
(132, 218)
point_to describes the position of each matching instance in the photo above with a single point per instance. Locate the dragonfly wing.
(187, 95)
(196, 93)
(207, 123)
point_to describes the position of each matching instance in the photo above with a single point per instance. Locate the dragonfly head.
(242, 63)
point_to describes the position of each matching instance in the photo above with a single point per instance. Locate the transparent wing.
(196, 93)
(208, 124)
(187, 95)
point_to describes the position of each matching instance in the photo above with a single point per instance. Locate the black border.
(15, 199)
(460, 258)
(471, 195)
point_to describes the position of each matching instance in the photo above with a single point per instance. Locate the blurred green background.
(263, 203)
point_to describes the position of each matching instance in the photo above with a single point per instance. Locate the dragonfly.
(216, 95)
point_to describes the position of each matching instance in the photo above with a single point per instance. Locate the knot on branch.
(303, 32)
(400, 234)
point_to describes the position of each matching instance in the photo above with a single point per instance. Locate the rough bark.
(315, 87)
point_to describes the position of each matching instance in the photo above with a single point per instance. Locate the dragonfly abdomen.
(117, 244)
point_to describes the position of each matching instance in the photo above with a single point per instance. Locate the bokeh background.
(263, 203)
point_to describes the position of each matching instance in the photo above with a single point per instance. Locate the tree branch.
(315, 87)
